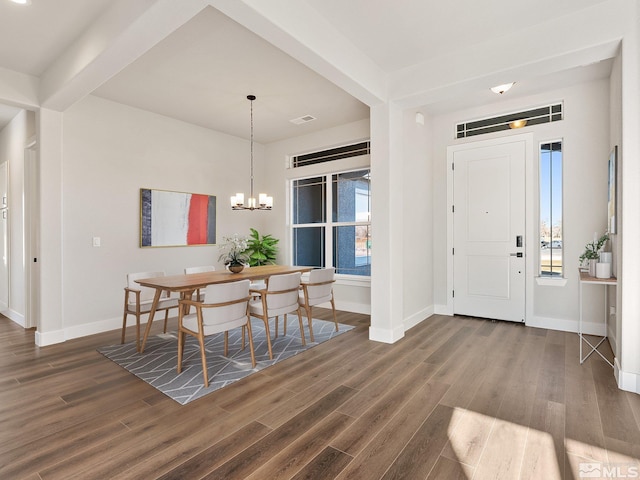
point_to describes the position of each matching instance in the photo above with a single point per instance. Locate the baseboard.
(627, 381)
(101, 326)
(418, 317)
(590, 328)
(352, 307)
(15, 316)
(49, 338)
(385, 335)
(115, 323)
(441, 310)
(86, 329)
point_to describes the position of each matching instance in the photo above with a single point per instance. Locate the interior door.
(489, 228)
(4, 237)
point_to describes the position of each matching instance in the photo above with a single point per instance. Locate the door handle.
(518, 254)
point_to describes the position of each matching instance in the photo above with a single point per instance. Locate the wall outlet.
(96, 241)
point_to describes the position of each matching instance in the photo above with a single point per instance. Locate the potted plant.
(261, 250)
(592, 253)
(232, 252)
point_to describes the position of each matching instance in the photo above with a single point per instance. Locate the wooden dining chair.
(138, 301)
(318, 289)
(225, 306)
(280, 297)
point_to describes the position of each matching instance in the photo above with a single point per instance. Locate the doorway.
(488, 212)
(31, 234)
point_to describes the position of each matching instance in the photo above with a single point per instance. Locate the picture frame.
(612, 191)
(176, 219)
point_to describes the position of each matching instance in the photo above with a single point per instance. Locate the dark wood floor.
(456, 398)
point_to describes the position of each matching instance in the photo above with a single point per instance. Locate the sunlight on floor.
(489, 447)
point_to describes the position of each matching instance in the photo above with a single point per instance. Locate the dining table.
(186, 284)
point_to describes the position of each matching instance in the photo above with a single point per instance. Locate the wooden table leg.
(152, 313)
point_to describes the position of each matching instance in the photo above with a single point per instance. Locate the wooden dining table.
(186, 284)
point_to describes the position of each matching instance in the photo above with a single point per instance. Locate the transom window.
(331, 221)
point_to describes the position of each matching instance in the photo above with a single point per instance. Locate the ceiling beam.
(118, 37)
(18, 89)
(300, 31)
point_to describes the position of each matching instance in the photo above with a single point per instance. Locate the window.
(346, 151)
(551, 209)
(332, 222)
(535, 116)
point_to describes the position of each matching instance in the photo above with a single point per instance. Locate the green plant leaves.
(261, 250)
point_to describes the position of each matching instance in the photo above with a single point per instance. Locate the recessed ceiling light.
(22, 2)
(500, 89)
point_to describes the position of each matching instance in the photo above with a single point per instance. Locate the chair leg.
(243, 331)
(166, 317)
(203, 355)
(333, 307)
(277, 319)
(309, 317)
(284, 328)
(124, 326)
(226, 343)
(266, 329)
(253, 355)
(138, 332)
(304, 342)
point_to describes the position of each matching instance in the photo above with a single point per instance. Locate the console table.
(585, 278)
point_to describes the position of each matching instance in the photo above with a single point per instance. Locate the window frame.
(329, 224)
(542, 278)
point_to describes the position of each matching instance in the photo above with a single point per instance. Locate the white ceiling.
(202, 72)
(33, 36)
(400, 33)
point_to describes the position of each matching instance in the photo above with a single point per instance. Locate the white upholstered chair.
(138, 301)
(318, 289)
(225, 307)
(280, 297)
(202, 269)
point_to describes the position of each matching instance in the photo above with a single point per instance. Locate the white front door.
(489, 231)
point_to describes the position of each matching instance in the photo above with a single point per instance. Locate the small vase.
(592, 267)
(236, 268)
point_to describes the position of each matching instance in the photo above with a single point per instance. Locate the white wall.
(418, 229)
(615, 138)
(13, 139)
(628, 364)
(585, 135)
(351, 295)
(110, 152)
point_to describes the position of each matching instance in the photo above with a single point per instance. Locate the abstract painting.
(170, 219)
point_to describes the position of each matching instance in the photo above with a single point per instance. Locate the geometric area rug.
(157, 365)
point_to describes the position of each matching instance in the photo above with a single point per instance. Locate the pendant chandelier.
(264, 202)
